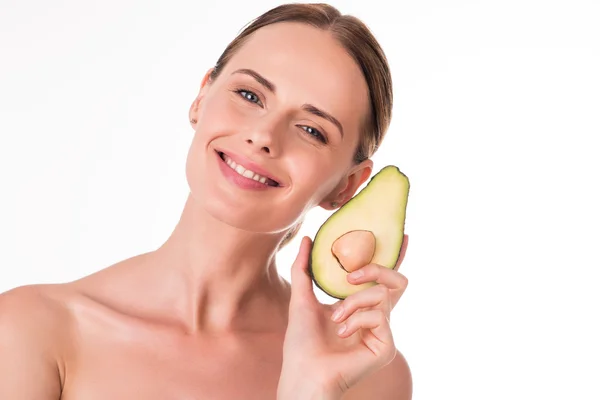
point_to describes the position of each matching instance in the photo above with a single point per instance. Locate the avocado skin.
(349, 203)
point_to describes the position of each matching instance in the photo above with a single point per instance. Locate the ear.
(193, 112)
(348, 185)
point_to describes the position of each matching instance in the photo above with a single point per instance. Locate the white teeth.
(243, 171)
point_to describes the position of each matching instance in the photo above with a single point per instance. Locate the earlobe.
(194, 111)
(360, 173)
(331, 205)
(335, 199)
(196, 104)
(348, 186)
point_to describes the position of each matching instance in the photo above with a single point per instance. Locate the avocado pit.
(354, 249)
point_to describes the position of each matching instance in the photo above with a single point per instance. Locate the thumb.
(302, 288)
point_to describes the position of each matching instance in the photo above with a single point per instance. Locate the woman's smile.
(245, 174)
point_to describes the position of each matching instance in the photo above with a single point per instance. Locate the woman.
(285, 121)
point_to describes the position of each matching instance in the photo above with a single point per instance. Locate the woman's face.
(288, 105)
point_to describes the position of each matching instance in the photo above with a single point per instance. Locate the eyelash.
(319, 136)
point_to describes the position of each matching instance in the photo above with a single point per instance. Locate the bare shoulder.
(34, 322)
(27, 309)
(36, 315)
(392, 382)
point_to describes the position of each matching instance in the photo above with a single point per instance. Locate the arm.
(28, 364)
(392, 382)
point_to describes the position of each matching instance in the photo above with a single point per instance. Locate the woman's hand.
(316, 364)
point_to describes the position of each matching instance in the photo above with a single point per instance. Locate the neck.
(221, 278)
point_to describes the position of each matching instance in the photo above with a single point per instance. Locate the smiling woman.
(286, 121)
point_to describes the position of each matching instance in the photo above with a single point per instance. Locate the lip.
(247, 164)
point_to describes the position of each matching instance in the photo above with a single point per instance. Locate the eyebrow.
(306, 107)
(261, 79)
(320, 113)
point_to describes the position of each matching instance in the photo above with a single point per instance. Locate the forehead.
(309, 65)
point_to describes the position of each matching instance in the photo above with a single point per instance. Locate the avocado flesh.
(380, 207)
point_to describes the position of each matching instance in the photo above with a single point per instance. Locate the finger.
(373, 320)
(377, 273)
(377, 347)
(375, 297)
(302, 288)
(403, 248)
(402, 252)
(391, 279)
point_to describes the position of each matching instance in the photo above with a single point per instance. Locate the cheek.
(225, 112)
(216, 113)
(313, 175)
(216, 118)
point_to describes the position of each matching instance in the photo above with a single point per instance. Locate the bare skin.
(101, 340)
(205, 315)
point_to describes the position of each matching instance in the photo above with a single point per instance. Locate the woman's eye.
(315, 133)
(249, 96)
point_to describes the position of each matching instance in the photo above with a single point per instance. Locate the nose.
(265, 137)
(260, 145)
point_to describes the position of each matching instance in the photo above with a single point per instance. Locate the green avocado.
(367, 229)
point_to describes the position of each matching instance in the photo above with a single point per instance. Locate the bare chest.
(167, 369)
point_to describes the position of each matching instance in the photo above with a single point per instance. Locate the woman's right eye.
(248, 95)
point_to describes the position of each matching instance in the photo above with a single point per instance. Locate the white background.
(496, 123)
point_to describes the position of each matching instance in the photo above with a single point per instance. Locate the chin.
(233, 212)
(210, 192)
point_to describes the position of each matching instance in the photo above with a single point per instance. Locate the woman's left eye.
(249, 96)
(314, 132)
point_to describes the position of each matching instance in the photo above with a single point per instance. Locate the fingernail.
(342, 329)
(357, 274)
(337, 314)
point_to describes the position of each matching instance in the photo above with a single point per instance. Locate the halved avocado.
(344, 242)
